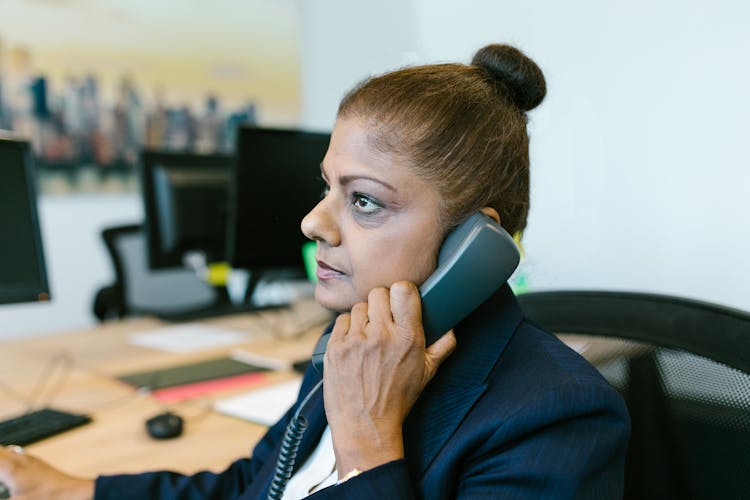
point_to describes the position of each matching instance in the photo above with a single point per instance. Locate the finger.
(340, 327)
(8, 455)
(406, 305)
(358, 319)
(379, 306)
(5, 462)
(439, 352)
(14, 448)
(9, 460)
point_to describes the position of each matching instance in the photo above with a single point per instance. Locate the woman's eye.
(364, 204)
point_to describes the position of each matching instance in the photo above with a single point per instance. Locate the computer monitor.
(185, 204)
(23, 275)
(275, 182)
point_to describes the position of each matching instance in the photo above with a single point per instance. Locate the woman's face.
(378, 222)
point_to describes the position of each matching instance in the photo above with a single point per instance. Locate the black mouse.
(164, 425)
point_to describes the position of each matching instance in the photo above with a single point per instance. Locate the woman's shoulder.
(546, 416)
(546, 349)
(538, 369)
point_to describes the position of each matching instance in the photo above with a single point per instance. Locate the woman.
(498, 408)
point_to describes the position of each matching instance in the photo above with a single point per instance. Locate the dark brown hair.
(461, 127)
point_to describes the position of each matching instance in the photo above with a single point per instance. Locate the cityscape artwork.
(91, 83)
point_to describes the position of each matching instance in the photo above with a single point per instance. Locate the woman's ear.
(492, 213)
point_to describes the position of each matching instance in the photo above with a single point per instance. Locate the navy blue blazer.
(512, 413)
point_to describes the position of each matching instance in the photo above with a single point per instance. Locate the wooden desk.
(117, 440)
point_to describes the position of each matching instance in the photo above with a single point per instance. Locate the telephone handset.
(474, 261)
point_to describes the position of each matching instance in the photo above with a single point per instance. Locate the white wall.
(342, 42)
(77, 261)
(640, 178)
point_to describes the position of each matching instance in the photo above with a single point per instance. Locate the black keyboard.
(37, 425)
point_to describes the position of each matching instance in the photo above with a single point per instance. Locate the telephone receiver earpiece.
(475, 260)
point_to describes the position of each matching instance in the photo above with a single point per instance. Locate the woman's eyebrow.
(346, 179)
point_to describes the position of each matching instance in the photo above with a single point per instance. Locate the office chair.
(138, 290)
(683, 368)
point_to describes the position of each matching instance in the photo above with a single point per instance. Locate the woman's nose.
(318, 225)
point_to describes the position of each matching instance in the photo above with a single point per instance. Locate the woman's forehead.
(351, 153)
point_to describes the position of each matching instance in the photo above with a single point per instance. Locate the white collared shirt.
(318, 471)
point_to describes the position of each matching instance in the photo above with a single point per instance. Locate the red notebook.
(197, 379)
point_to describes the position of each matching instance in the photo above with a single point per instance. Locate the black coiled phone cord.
(289, 447)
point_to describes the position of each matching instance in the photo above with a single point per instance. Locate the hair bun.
(516, 72)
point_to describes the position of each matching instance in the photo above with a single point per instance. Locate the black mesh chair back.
(683, 367)
(139, 290)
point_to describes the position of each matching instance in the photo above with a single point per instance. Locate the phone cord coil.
(289, 446)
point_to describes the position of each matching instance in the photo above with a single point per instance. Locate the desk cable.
(44, 391)
(289, 446)
(63, 359)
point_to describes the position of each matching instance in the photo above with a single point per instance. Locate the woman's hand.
(29, 478)
(376, 366)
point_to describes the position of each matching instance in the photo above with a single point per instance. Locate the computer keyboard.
(37, 425)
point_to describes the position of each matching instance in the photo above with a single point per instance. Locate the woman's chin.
(332, 301)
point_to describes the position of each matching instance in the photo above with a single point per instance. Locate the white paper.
(263, 406)
(252, 358)
(187, 337)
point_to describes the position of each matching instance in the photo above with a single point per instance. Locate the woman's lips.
(326, 272)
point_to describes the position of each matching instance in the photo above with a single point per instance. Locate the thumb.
(439, 352)
(7, 463)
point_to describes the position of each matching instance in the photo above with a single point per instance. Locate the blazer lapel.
(316, 423)
(459, 382)
(314, 413)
